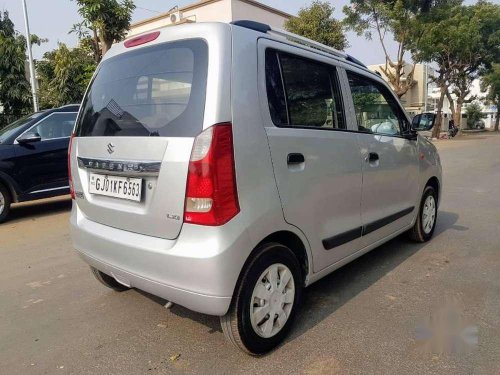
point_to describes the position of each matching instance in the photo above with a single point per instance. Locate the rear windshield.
(153, 91)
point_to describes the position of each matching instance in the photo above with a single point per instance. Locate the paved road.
(401, 309)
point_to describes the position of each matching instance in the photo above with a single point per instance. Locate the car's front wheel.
(424, 226)
(265, 302)
(5, 201)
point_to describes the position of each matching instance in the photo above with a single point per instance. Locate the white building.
(414, 100)
(214, 11)
(489, 111)
(424, 95)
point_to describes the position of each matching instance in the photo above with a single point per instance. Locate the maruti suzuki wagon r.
(225, 167)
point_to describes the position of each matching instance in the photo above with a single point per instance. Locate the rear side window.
(153, 91)
(302, 92)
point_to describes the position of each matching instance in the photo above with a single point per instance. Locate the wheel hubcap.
(272, 300)
(428, 214)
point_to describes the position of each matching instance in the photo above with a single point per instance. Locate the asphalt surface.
(403, 308)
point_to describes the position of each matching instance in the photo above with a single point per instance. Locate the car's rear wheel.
(265, 302)
(5, 202)
(108, 281)
(424, 226)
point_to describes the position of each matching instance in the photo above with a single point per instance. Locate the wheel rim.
(429, 214)
(2, 202)
(272, 300)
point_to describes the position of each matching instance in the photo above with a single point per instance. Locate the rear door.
(316, 160)
(137, 126)
(390, 165)
(42, 167)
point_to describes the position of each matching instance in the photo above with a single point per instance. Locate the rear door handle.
(295, 158)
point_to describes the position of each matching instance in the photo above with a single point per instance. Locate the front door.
(43, 166)
(316, 161)
(390, 161)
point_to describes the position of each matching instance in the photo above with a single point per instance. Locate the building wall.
(414, 99)
(246, 11)
(215, 11)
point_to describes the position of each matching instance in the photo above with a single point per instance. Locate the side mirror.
(423, 121)
(29, 138)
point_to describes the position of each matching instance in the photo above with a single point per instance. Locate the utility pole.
(30, 58)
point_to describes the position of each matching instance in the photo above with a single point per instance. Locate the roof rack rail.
(307, 42)
(264, 28)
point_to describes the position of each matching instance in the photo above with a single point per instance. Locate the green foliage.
(14, 86)
(461, 40)
(108, 20)
(491, 84)
(400, 18)
(64, 75)
(474, 114)
(316, 22)
(461, 36)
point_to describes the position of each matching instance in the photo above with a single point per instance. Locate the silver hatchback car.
(225, 167)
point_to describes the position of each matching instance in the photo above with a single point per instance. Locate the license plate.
(116, 186)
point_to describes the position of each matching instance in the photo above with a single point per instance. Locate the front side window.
(376, 109)
(56, 125)
(302, 92)
(15, 127)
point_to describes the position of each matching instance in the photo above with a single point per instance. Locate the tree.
(481, 24)
(491, 84)
(64, 75)
(460, 40)
(104, 21)
(14, 86)
(316, 22)
(474, 114)
(398, 18)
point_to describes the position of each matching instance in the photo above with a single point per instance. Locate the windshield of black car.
(13, 128)
(152, 91)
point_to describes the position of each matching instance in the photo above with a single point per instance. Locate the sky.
(52, 19)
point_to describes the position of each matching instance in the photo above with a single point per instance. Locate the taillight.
(70, 177)
(211, 195)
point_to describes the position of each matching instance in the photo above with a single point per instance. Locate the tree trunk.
(458, 115)
(439, 114)
(97, 52)
(452, 104)
(498, 117)
(106, 45)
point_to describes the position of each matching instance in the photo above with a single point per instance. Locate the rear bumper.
(198, 270)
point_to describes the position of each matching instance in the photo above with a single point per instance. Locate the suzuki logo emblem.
(111, 148)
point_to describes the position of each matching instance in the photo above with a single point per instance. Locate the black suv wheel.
(5, 201)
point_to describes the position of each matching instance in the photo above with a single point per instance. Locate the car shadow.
(38, 209)
(331, 292)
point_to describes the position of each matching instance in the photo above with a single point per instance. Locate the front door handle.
(295, 158)
(372, 156)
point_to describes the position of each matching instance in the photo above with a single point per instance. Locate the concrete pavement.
(402, 308)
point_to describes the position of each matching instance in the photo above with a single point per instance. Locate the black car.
(34, 157)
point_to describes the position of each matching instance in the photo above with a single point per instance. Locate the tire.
(423, 229)
(108, 281)
(5, 202)
(242, 324)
